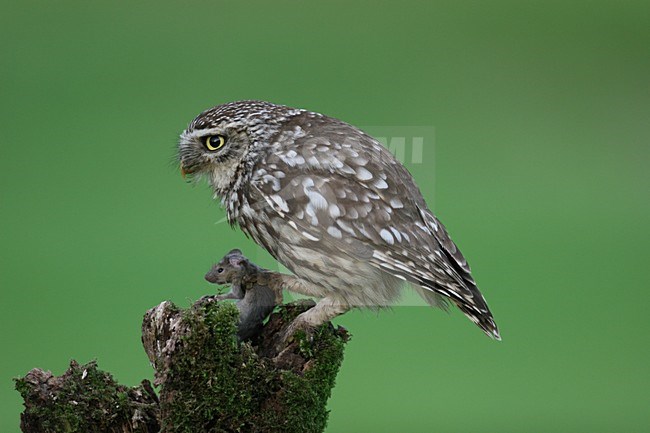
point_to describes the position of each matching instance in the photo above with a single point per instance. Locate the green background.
(541, 116)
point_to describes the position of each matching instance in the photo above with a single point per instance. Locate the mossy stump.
(85, 399)
(208, 381)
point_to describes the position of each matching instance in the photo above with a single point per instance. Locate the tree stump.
(85, 399)
(208, 381)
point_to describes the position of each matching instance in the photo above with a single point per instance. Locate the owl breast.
(304, 204)
(320, 262)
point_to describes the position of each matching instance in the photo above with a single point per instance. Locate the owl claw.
(298, 324)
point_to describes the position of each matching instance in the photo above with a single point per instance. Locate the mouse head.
(231, 266)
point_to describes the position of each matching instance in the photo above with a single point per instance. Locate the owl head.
(219, 140)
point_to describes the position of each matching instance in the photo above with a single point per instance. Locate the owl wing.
(338, 186)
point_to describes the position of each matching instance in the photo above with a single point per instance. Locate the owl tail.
(476, 310)
(481, 317)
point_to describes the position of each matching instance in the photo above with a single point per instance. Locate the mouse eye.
(219, 271)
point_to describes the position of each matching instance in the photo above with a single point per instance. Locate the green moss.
(304, 397)
(210, 359)
(232, 389)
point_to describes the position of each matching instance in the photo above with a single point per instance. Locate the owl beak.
(183, 172)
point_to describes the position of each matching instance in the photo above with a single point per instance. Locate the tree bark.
(208, 381)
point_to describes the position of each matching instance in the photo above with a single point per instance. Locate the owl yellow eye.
(215, 142)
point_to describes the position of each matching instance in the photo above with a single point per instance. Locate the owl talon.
(298, 324)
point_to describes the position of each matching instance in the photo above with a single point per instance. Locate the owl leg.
(298, 285)
(325, 310)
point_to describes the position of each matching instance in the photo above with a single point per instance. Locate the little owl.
(331, 204)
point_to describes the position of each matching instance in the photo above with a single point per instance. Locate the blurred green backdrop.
(541, 116)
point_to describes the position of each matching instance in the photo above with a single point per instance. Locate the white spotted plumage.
(332, 205)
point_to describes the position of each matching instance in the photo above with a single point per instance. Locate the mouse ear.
(236, 262)
(235, 251)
